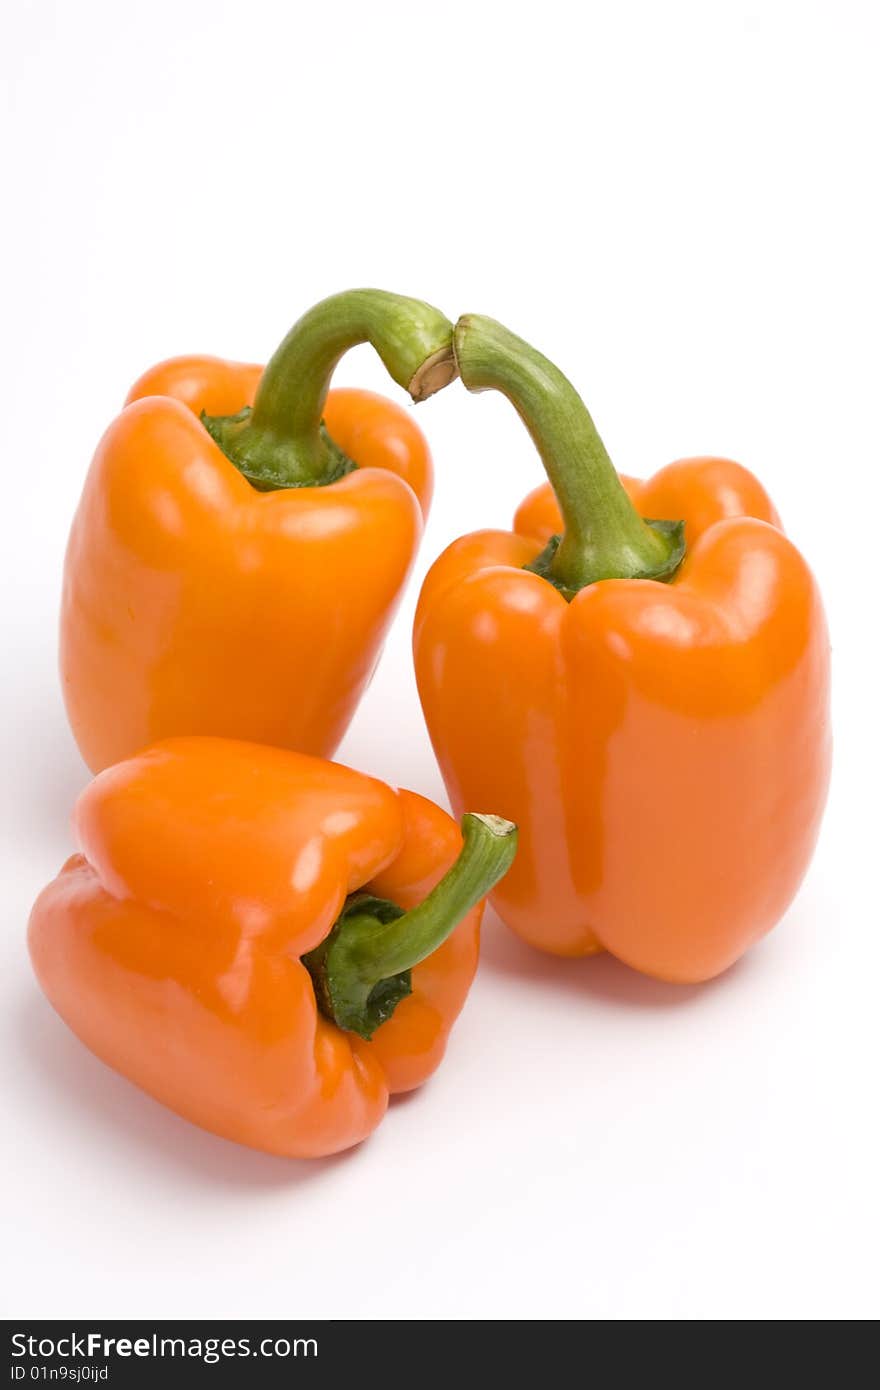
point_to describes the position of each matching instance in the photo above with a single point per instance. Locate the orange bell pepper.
(267, 943)
(233, 570)
(655, 720)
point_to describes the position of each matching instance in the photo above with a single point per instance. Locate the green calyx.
(362, 969)
(604, 536)
(346, 991)
(269, 465)
(282, 441)
(543, 564)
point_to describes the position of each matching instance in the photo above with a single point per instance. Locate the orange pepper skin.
(664, 747)
(170, 944)
(195, 604)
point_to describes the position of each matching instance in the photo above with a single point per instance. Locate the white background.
(677, 202)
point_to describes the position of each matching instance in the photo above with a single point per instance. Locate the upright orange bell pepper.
(647, 699)
(233, 569)
(267, 943)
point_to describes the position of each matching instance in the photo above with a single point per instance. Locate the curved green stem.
(604, 536)
(281, 442)
(361, 970)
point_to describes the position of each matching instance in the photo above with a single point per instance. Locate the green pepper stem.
(604, 537)
(361, 971)
(281, 441)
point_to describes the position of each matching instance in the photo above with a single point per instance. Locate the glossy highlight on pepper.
(662, 742)
(180, 943)
(244, 536)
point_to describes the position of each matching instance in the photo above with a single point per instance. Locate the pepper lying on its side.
(267, 943)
